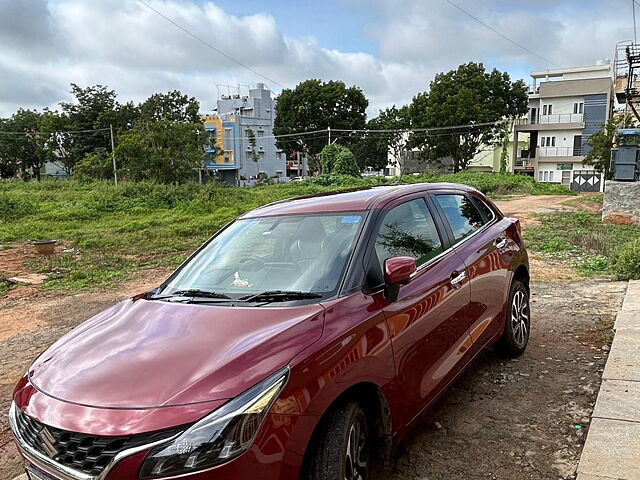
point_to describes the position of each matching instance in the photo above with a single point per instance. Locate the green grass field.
(581, 238)
(112, 232)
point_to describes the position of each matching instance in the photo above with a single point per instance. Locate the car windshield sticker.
(351, 219)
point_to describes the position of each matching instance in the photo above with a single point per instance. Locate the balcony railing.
(559, 118)
(558, 151)
(524, 163)
(551, 119)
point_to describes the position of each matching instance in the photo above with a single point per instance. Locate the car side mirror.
(397, 271)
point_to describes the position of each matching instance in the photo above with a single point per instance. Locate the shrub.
(626, 260)
(14, 208)
(338, 160)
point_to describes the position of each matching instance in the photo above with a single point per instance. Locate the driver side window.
(408, 230)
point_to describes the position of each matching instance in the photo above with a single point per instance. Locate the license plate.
(33, 474)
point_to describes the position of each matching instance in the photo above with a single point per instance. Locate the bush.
(14, 208)
(339, 160)
(626, 260)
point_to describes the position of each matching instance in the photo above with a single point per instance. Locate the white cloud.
(46, 45)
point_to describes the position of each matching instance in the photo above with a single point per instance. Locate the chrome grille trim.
(57, 470)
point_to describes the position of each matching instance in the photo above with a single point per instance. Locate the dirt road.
(502, 420)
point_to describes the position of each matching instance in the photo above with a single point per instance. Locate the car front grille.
(89, 454)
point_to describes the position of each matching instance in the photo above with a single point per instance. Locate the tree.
(601, 142)
(466, 96)
(161, 150)
(339, 160)
(28, 146)
(378, 149)
(98, 164)
(253, 153)
(315, 105)
(92, 108)
(173, 106)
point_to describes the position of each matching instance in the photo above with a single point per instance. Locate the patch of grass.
(593, 247)
(588, 201)
(118, 230)
(5, 285)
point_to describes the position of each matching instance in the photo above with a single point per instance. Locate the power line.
(519, 45)
(208, 45)
(57, 132)
(325, 131)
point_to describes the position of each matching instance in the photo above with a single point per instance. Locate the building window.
(578, 107)
(549, 111)
(564, 166)
(260, 133)
(544, 109)
(551, 176)
(227, 138)
(540, 176)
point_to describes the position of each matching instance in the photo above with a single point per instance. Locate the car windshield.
(298, 253)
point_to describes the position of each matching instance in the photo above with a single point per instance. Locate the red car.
(301, 341)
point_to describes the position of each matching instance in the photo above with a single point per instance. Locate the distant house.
(566, 106)
(488, 159)
(242, 131)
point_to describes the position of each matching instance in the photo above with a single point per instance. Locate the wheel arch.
(522, 274)
(376, 408)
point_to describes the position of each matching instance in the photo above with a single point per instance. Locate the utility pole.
(113, 155)
(329, 131)
(633, 9)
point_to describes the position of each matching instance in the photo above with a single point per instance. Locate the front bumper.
(50, 466)
(267, 455)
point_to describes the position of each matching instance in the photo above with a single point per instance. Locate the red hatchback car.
(301, 341)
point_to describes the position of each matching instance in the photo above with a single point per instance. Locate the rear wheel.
(518, 322)
(342, 450)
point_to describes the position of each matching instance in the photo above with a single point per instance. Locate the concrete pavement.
(612, 448)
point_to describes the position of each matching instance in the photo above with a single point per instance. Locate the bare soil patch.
(525, 418)
(524, 207)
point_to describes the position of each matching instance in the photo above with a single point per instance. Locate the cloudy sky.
(390, 48)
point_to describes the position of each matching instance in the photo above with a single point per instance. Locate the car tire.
(342, 450)
(517, 328)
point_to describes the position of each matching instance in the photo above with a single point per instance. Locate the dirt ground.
(519, 419)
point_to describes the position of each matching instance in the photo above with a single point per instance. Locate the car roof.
(348, 201)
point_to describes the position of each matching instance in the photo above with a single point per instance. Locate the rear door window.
(408, 230)
(461, 214)
(485, 210)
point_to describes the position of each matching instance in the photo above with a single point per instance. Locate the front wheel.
(517, 322)
(342, 450)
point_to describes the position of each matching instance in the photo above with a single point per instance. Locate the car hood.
(146, 354)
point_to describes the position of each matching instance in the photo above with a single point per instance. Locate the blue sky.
(390, 48)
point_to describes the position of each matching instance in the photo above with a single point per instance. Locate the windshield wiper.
(192, 292)
(279, 296)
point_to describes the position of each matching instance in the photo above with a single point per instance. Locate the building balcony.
(543, 152)
(564, 121)
(524, 164)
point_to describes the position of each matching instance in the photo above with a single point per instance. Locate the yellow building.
(221, 134)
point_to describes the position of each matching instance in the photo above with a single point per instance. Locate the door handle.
(458, 278)
(501, 242)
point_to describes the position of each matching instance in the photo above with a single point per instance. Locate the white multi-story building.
(566, 106)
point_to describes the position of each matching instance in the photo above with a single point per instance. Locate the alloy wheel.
(520, 318)
(356, 454)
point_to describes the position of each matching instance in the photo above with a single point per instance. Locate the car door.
(479, 238)
(429, 338)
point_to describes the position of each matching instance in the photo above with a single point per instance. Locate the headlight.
(218, 437)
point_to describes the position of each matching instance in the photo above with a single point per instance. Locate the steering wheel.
(251, 263)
